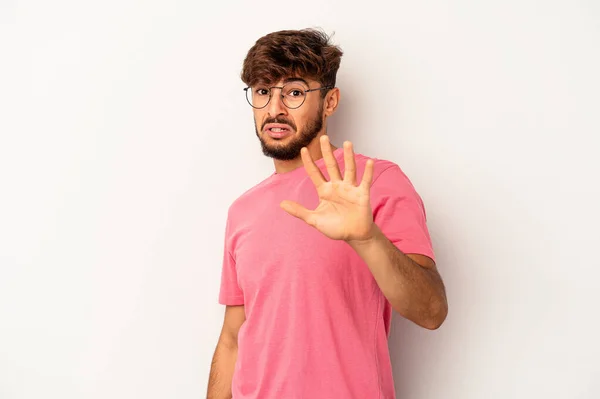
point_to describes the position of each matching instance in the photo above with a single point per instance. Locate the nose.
(276, 106)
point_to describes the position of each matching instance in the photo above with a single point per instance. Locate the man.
(318, 254)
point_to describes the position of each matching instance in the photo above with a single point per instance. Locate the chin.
(282, 152)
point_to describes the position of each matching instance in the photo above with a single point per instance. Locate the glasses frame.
(282, 96)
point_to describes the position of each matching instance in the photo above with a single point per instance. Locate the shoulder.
(392, 193)
(249, 199)
(386, 173)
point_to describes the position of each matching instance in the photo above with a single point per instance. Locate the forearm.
(414, 291)
(221, 372)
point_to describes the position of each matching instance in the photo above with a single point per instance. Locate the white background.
(125, 136)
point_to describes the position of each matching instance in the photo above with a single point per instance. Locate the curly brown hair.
(305, 53)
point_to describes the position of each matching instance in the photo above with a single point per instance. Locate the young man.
(319, 253)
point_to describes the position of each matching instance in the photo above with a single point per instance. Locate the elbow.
(430, 316)
(438, 311)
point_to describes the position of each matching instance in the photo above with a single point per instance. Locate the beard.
(291, 149)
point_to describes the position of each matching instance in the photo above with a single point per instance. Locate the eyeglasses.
(293, 94)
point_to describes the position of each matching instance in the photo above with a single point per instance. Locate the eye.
(261, 91)
(295, 93)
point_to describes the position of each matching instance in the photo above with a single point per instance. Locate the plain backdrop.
(125, 136)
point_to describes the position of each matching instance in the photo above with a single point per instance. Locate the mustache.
(278, 120)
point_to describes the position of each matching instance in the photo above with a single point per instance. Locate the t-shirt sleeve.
(399, 212)
(230, 292)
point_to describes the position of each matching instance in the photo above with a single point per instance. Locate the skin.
(304, 118)
(411, 282)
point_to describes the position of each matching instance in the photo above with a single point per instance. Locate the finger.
(311, 168)
(349, 164)
(296, 210)
(367, 178)
(330, 161)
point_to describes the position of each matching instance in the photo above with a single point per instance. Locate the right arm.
(225, 356)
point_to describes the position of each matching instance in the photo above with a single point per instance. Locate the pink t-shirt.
(317, 324)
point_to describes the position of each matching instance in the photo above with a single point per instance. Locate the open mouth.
(277, 131)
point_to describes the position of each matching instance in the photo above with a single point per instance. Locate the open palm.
(344, 210)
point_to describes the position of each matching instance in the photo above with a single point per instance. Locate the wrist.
(372, 237)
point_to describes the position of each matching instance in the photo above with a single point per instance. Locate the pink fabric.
(317, 324)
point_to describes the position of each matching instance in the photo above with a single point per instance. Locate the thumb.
(295, 209)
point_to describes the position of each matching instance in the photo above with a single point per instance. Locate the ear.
(331, 101)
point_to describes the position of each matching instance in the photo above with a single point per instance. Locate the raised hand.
(344, 210)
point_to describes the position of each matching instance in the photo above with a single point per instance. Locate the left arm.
(410, 282)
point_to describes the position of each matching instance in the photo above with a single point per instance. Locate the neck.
(314, 149)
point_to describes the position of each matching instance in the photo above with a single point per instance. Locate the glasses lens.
(294, 94)
(257, 96)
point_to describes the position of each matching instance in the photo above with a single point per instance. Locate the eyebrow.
(286, 80)
(296, 79)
